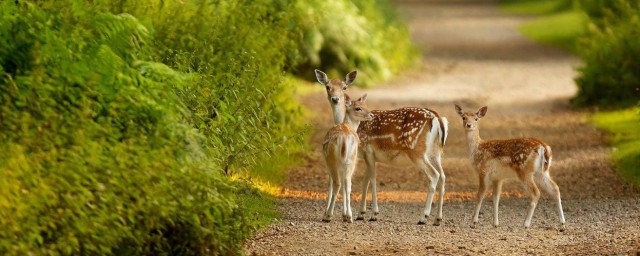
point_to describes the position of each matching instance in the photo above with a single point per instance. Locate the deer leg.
(350, 170)
(433, 176)
(374, 194)
(346, 191)
(535, 196)
(363, 200)
(438, 164)
(553, 190)
(327, 212)
(344, 197)
(369, 172)
(335, 184)
(497, 189)
(482, 191)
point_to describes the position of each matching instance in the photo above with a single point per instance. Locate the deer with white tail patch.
(340, 150)
(527, 159)
(400, 137)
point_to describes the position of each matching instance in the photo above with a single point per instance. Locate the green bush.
(603, 13)
(343, 35)
(124, 124)
(611, 55)
(117, 128)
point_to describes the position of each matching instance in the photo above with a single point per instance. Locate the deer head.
(357, 110)
(335, 88)
(469, 119)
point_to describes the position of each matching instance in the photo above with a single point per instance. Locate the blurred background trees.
(125, 124)
(605, 35)
(610, 51)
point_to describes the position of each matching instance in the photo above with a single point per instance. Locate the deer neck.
(339, 113)
(473, 140)
(353, 124)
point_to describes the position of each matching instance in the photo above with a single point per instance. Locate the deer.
(403, 137)
(525, 159)
(340, 151)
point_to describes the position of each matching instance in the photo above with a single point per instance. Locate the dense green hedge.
(116, 130)
(122, 121)
(611, 54)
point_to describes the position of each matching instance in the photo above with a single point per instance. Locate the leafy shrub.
(343, 35)
(607, 12)
(116, 128)
(122, 121)
(611, 55)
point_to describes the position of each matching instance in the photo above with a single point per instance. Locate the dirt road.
(474, 56)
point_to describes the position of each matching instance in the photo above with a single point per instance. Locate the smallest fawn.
(340, 149)
(527, 159)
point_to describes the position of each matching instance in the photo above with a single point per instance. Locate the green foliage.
(603, 13)
(568, 27)
(605, 34)
(623, 124)
(343, 35)
(569, 23)
(117, 128)
(238, 49)
(537, 7)
(611, 55)
(143, 127)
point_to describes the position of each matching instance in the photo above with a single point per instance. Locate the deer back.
(401, 130)
(513, 153)
(341, 141)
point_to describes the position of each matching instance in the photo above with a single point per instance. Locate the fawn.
(527, 159)
(401, 137)
(340, 150)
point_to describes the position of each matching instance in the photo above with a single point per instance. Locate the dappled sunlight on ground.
(396, 196)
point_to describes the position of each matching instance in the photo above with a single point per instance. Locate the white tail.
(527, 159)
(340, 149)
(402, 137)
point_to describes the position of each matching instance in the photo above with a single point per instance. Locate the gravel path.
(474, 56)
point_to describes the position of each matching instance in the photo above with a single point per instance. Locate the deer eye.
(476, 119)
(358, 109)
(344, 88)
(464, 119)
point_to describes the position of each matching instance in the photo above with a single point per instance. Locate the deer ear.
(482, 111)
(347, 100)
(459, 110)
(322, 77)
(351, 77)
(363, 98)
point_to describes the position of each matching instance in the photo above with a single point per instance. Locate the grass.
(625, 138)
(559, 23)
